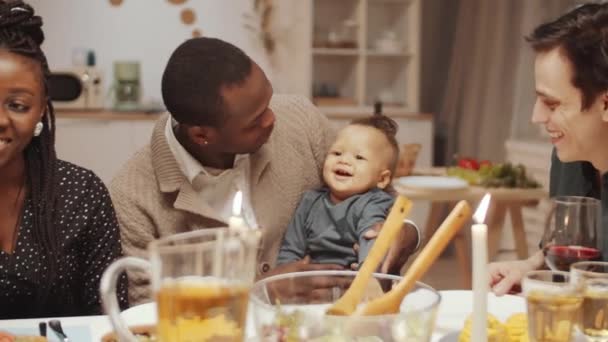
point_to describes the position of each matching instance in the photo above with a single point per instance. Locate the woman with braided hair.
(58, 230)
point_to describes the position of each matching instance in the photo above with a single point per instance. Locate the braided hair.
(21, 33)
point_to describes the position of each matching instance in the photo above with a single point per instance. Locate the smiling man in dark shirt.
(571, 81)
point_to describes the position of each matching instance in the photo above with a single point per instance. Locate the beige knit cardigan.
(154, 199)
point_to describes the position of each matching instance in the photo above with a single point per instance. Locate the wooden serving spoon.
(390, 302)
(347, 304)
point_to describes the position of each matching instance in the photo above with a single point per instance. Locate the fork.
(42, 328)
(56, 327)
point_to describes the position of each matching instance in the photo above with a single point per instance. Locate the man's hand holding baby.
(406, 244)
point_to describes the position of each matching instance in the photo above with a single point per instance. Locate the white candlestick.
(236, 223)
(237, 203)
(479, 233)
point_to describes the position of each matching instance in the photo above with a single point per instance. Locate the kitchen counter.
(104, 140)
(106, 115)
(331, 112)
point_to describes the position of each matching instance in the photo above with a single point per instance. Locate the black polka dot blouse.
(88, 241)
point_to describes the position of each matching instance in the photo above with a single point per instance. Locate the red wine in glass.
(561, 257)
(572, 232)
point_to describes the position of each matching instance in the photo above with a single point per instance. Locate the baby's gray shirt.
(327, 232)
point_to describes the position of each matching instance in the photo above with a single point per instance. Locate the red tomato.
(468, 163)
(485, 163)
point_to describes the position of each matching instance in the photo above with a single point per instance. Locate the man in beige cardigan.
(227, 132)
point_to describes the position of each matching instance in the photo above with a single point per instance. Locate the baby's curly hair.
(389, 128)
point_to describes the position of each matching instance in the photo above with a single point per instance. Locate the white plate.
(456, 306)
(142, 314)
(432, 183)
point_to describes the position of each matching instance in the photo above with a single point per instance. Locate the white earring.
(38, 129)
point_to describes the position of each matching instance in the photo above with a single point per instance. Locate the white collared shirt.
(216, 188)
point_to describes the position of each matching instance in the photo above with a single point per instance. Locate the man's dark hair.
(582, 34)
(21, 33)
(389, 128)
(195, 75)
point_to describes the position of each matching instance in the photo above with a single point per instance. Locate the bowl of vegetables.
(292, 307)
(492, 175)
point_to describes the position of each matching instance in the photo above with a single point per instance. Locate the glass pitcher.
(200, 281)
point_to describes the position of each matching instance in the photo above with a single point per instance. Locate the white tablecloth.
(454, 308)
(78, 329)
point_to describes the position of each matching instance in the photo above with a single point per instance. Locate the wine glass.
(571, 233)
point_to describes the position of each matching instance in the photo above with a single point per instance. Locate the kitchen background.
(461, 82)
(146, 31)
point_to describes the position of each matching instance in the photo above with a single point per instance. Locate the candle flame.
(482, 209)
(237, 203)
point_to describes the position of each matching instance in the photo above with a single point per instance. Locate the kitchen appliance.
(76, 88)
(126, 85)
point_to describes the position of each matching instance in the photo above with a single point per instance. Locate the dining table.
(81, 328)
(454, 308)
(504, 201)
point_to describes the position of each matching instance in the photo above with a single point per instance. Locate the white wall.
(143, 30)
(535, 13)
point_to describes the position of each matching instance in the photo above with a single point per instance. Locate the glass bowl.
(284, 308)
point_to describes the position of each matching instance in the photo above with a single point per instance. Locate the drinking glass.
(592, 278)
(554, 306)
(572, 231)
(200, 281)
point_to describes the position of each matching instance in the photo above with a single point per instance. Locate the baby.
(357, 173)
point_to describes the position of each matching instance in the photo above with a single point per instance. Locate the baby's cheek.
(325, 175)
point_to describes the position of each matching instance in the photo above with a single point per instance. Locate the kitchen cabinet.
(101, 142)
(362, 51)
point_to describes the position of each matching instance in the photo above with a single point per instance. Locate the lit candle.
(479, 236)
(236, 221)
(241, 235)
(231, 248)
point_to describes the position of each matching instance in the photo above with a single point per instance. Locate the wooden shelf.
(108, 115)
(365, 73)
(395, 2)
(353, 112)
(382, 54)
(335, 52)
